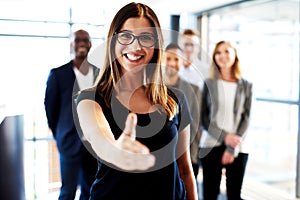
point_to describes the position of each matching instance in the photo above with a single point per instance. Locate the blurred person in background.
(77, 165)
(194, 70)
(225, 114)
(173, 59)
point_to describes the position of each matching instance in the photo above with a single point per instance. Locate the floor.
(252, 190)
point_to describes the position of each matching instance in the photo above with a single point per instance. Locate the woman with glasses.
(138, 128)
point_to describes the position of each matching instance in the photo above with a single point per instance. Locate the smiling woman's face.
(134, 56)
(225, 56)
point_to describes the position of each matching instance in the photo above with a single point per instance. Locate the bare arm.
(185, 165)
(125, 153)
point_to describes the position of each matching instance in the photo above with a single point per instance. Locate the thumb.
(130, 125)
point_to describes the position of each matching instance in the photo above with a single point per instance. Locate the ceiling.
(189, 6)
(269, 9)
(263, 9)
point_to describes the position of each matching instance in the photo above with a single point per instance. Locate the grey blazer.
(209, 108)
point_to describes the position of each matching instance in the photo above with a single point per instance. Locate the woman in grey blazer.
(226, 105)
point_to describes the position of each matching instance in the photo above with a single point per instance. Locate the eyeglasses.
(145, 40)
(189, 44)
(85, 40)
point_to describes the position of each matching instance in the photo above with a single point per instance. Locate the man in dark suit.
(77, 165)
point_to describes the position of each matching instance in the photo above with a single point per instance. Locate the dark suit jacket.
(61, 87)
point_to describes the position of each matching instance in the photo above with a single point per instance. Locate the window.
(266, 34)
(33, 41)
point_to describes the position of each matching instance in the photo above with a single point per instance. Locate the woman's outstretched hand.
(133, 155)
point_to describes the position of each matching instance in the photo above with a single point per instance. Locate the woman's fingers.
(130, 125)
(227, 158)
(233, 140)
(127, 139)
(133, 155)
(138, 161)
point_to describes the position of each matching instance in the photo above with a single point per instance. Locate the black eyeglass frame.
(136, 37)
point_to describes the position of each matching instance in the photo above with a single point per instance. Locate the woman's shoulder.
(89, 93)
(210, 82)
(175, 93)
(246, 82)
(247, 85)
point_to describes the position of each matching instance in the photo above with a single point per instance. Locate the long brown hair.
(215, 69)
(156, 91)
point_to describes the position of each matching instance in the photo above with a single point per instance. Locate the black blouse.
(160, 135)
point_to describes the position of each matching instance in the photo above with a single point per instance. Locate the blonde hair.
(215, 69)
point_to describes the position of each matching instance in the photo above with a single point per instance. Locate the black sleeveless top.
(159, 134)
